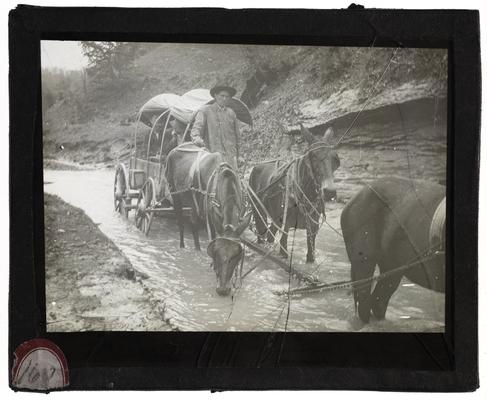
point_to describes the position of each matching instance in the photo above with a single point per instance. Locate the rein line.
(428, 255)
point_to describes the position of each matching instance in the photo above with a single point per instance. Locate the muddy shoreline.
(90, 283)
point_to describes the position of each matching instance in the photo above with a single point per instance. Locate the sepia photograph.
(244, 187)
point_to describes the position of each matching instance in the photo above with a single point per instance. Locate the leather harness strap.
(189, 147)
(212, 197)
(195, 172)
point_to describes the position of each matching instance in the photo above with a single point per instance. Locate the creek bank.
(90, 284)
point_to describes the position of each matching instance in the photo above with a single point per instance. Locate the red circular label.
(39, 365)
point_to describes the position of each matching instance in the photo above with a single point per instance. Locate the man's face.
(222, 98)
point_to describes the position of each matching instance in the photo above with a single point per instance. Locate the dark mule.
(200, 180)
(311, 183)
(389, 224)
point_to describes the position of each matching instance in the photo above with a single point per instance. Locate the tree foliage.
(59, 84)
(109, 59)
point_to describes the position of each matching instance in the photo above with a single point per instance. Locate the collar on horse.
(213, 198)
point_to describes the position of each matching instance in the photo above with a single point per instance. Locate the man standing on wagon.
(216, 126)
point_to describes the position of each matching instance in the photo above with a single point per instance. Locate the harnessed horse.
(392, 223)
(293, 194)
(200, 180)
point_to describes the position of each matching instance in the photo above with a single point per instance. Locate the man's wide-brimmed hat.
(218, 88)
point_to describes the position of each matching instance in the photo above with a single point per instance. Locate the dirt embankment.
(90, 284)
(282, 85)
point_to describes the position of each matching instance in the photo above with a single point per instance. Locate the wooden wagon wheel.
(145, 201)
(120, 187)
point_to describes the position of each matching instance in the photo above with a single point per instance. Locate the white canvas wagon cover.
(184, 107)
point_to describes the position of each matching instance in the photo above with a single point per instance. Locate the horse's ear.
(243, 225)
(306, 134)
(329, 135)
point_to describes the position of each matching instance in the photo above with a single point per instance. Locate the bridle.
(306, 202)
(214, 203)
(307, 161)
(240, 254)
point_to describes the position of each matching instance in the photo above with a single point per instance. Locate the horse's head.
(323, 161)
(226, 252)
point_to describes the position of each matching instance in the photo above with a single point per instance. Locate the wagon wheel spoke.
(147, 222)
(118, 204)
(147, 218)
(137, 218)
(143, 217)
(144, 224)
(139, 215)
(119, 189)
(139, 212)
(144, 221)
(124, 209)
(140, 223)
(116, 198)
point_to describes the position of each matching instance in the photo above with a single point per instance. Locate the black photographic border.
(181, 360)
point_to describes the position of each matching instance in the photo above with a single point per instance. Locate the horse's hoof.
(310, 260)
(181, 246)
(379, 311)
(283, 255)
(364, 314)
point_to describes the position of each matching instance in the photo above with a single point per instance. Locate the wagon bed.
(140, 183)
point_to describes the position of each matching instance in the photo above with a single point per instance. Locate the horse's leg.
(363, 269)
(283, 248)
(212, 232)
(362, 258)
(383, 291)
(311, 230)
(194, 230)
(178, 209)
(310, 240)
(260, 224)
